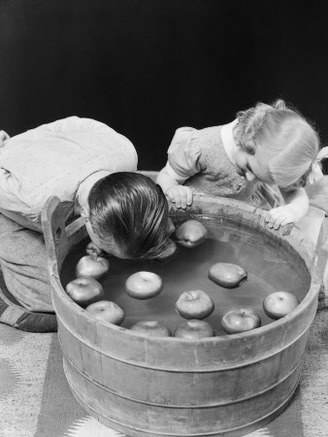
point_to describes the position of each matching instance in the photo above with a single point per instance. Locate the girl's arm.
(297, 205)
(178, 194)
(165, 180)
(183, 162)
(318, 193)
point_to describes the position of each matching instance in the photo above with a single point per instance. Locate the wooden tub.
(147, 387)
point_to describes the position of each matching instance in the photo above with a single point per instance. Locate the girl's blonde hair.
(284, 143)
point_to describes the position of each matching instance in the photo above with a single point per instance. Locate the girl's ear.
(84, 214)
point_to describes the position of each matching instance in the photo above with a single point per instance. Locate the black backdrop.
(146, 67)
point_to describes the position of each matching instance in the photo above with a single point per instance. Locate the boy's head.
(128, 216)
(282, 143)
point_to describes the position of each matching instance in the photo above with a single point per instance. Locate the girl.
(90, 166)
(265, 157)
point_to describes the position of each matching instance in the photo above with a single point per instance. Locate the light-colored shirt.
(64, 158)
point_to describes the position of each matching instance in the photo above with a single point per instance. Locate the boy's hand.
(180, 195)
(281, 216)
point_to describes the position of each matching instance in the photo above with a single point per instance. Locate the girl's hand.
(180, 195)
(281, 216)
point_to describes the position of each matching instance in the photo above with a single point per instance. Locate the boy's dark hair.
(131, 209)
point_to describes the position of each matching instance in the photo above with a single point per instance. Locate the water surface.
(269, 269)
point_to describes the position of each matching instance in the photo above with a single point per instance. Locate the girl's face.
(248, 167)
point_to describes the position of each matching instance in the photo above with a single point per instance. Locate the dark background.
(146, 67)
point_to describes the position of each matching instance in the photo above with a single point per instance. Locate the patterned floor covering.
(35, 400)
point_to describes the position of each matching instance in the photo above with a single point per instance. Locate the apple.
(190, 233)
(240, 320)
(106, 311)
(194, 304)
(279, 303)
(92, 265)
(227, 275)
(194, 330)
(85, 291)
(151, 328)
(143, 285)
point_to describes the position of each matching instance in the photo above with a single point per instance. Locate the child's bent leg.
(25, 298)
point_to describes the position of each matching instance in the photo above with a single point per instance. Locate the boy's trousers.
(24, 280)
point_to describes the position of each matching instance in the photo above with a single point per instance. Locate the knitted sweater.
(217, 175)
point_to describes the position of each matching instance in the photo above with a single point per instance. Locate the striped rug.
(35, 400)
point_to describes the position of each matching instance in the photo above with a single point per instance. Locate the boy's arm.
(297, 205)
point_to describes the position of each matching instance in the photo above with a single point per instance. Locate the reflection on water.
(268, 270)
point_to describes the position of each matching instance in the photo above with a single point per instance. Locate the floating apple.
(106, 311)
(151, 328)
(279, 303)
(194, 330)
(240, 320)
(190, 233)
(227, 275)
(92, 265)
(194, 304)
(143, 285)
(85, 291)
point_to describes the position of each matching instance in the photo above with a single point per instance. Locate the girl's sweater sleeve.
(184, 153)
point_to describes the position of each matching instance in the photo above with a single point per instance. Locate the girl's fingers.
(278, 218)
(188, 196)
